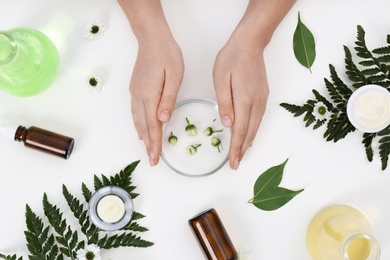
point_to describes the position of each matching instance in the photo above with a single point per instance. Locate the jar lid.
(111, 208)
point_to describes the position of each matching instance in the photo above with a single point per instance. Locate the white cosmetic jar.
(111, 208)
(368, 108)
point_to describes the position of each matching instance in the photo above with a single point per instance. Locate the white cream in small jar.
(111, 208)
(368, 108)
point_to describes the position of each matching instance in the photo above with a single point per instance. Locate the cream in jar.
(368, 108)
(110, 208)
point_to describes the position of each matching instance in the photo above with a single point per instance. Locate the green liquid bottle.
(29, 62)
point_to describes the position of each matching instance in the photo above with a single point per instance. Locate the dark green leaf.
(304, 44)
(276, 199)
(267, 193)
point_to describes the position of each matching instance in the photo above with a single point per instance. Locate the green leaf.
(304, 44)
(275, 199)
(267, 193)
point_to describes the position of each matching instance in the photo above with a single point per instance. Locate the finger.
(135, 118)
(142, 125)
(222, 85)
(239, 132)
(255, 117)
(168, 99)
(154, 127)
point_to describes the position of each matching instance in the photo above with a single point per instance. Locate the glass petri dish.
(207, 160)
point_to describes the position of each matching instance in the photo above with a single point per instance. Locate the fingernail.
(164, 115)
(226, 121)
(151, 159)
(236, 163)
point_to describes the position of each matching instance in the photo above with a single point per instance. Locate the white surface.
(106, 140)
(8, 131)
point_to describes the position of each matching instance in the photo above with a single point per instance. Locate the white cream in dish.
(368, 108)
(110, 208)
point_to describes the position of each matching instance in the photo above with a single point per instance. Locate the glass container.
(341, 232)
(29, 62)
(195, 154)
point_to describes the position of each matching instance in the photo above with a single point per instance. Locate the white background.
(106, 140)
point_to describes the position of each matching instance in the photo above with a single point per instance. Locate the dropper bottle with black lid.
(39, 139)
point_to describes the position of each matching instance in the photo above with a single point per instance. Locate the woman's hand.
(157, 73)
(241, 86)
(240, 77)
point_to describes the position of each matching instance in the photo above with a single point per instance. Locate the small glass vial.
(40, 139)
(212, 236)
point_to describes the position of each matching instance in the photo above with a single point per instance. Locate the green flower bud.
(209, 131)
(192, 149)
(172, 139)
(216, 143)
(191, 129)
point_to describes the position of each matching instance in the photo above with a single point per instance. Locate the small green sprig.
(191, 129)
(45, 244)
(373, 68)
(172, 139)
(216, 143)
(210, 131)
(192, 149)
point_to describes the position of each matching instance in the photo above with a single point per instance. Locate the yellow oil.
(332, 230)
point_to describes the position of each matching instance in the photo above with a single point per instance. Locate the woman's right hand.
(157, 74)
(155, 82)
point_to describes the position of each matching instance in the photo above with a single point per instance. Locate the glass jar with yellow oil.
(341, 232)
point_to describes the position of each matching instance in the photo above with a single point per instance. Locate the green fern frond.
(382, 50)
(10, 257)
(81, 214)
(39, 242)
(294, 109)
(341, 87)
(341, 127)
(352, 70)
(67, 238)
(384, 151)
(322, 99)
(367, 141)
(123, 240)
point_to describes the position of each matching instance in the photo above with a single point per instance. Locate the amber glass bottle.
(40, 139)
(212, 236)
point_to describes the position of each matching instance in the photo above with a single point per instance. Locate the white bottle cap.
(8, 131)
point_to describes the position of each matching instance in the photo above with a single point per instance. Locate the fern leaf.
(39, 242)
(97, 182)
(10, 257)
(294, 109)
(342, 89)
(137, 216)
(382, 50)
(352, 70)
(367, 141)
(322, 99)
(86, 192)
(371, 71)
(55, 217)
(341, 128)
(384, 151)
(123, 240)
(134, 226)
